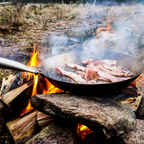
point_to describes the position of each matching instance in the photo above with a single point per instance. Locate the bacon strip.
(104, 70)
(110, 62)
(89, 61)
(113, 70)
(100, 73)
(77, 78)
(82, 68)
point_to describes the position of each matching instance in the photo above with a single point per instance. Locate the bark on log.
(113, 118)
(17, 99)
(24, 126)
(44, 120)
(62, 131)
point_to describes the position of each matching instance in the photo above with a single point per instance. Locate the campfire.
(29, 120)
(48, 88)
(36, 111)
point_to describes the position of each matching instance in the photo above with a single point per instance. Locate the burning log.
(44, 120)
(17, 99)
(110, 117)
(61, 131)
(24, 126)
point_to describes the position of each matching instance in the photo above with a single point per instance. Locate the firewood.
(10, 77)
(111, 117)
(61, 131)
(3, 84)
(131, 97)
(44, 120)
(10, 83)
(5, 116)
(17, 99)
(24, 126)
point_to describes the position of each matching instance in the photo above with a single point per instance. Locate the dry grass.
(34, 15)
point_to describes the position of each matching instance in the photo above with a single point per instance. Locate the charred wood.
(5, 116)
(111, 117)
(62, 131)
(24, 126)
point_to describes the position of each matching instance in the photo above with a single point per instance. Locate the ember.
(82, 131)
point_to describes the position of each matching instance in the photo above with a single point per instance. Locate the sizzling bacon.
(110, 62)
(71, 65)
(113, 70)
(77, 78)
(81, 73)
(100, 73)
(104, 70)
(89, 61)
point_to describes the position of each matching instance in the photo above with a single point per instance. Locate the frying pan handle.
(10, 64)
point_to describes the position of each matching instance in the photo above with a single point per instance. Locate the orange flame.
(82, 131)
(103, 28)
(51, 88)
(47, 89)
(33, 62)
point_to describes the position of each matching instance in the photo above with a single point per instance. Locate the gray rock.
(110, 117)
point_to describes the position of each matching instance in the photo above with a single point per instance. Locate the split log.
(44, 120)
(25, 126)
(17, 99)
(5, 113)
(130, 97)
(11, 83)
(61, 131)
(111, 117)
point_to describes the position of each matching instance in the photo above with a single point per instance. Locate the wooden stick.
(24, 126)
